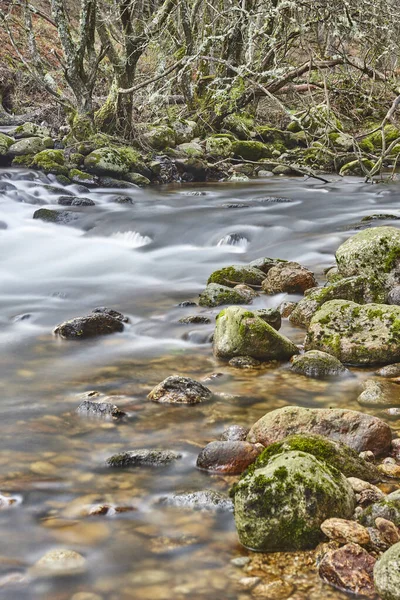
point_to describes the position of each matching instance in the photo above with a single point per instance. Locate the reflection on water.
(142, 258)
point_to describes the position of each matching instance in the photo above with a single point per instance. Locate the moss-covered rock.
(50, 161)
(391, 133)
(234, 274)
(355, 334)
(359, 289)
(31, 145)
(24, 160)
(5, 142)
(62, 217)
(184, 130)
(240, 125)
(334, 453)
(28, 130)
(281, 506)
(112, 161)
(218, 295)
(218, 146)
(160, 137)
(78, 176)
(355, 167)
(318, 365)
(374, 253)
(341, 141)
(280, 139)
(240, 332)
(387, 508)
(191, 149)
(137, 179)
(387, 574)
(251, 150)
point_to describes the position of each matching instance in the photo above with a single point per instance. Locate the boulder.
(5, 142)
(319, 365)
(219, 147)
(239, 332)
(234, 433)
(382, 394)
(356, 335)
(203, 500)
(281, 506)
(184, 130)
(28, 130)
(180, 390)
(350, 569)
(62, 217)
(272, 316)
(28, 146)
(265, 263)
(143, 458)
(217, 295)
(251, 150)
(389, 370)
(355, 429)
(373, 253)
(92, 325)
(335, 453)
(160, 137)
(80, 177)
(387, 574)
(357, 289)
(387, 508)
(288, 277)
(113, 161)
(244, 362)
(236, 274)
(93, 408)
(193, 149)
(50, 161)
(231, 457)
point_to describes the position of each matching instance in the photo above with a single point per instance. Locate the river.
(143, 257)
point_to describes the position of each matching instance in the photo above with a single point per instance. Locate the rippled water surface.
(143, 258)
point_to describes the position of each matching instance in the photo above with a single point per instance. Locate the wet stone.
(289, 277)
(59, 563)
(93, 408)
(387, 574)
(389, 371)
(92, 325)
(380, 393)
(234, 433)
(387, 530)
(344, 531)
(244, 362)
(186, 303)
(318, 365)
(69, 201)
(143, 458)
(104, 310)
(286, 308)
(195, 320)
(228, 457)
(350, 569)
(272, 316)
(62, 217)
(204, 500)
(180, 390)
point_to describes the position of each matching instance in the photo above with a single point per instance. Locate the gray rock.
(272, 316)
(234, 433)
(61, 217)
(143, 458)
(70, 201)
(217, 295)
(318, 365)
(387, 574)
(244, 362)
(180, 390)
(379, 393)
(387, 508)
(32, 145)
(195, 320)
(235, 274)
(93, 408)
(394, 296)
(204, 500)
(92, 325)
(389, 371)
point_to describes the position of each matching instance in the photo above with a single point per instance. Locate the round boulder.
(289, 277)
(318, 365)
(387, 574)
(180, 390)
(228, 457)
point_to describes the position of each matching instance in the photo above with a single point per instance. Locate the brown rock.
(350, 569)
(286, 308)
(387, 530)
(389, 371)
(390, 470)
(358, 430)
(288, 277)
(179, 390)
(228, 457)
(344, 531)
(234, 433)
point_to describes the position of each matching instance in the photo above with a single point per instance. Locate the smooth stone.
(143, 458)
(92, 325)
(217, 295)
(234, 433)
(388, 531)
(195, 320)
(231, 457)
(380, 393)
(389, 370)
(318, 365)
(180, 390)
(344, 531)
(203, 500)
(93, 408)
(244, 362)
(59, 563)
(288, 277)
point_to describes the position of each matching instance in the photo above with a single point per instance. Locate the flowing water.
(143, 258)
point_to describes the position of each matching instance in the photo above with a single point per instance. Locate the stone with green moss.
(356, 334)
(234, 274)
(108, 161)
(357, 167)
(28, 130)
(359, 289)
(137, 179)
(281, 506)
(318, 365)
(31, 145)
(341, 141)
(160, 137)
(78, 176)
(218, 295)
(240, 125)
(373, 253)
(50, 161)
(387, 508)
(277, 137)
(23, 161)
(193, 149)
(238, 177)
(240, 332)
(334, 453)
(387, 574)
(251, 150)
(5, 142)
(319, 119)
(184, 130)
(373, 141)
(219, 147)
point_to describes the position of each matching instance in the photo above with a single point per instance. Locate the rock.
(104, 310)
(251, 150)
(69, 201)
(112, 161)
(247, 292)
(357, 167)
(319, 365)
(356, 335)
(234, 433)
(80, 177)
(193, 149)
(160, 137)
(379, 393)
(228, 457)
(390, 470)
(374, 253)
(217, 295)
(244, 362)
(195, 320)
(238, 178)
(50, 161)
(180, 390)
(204, 500)
(368, 456)
(95, 324)
(59, 563)
(93, 408)
(137, 179)
(387, 574)
(272, 316)
(357, 430)
(289, 277)
(336, 454)
(29, 146)
(350, 569)
(389, 371)
(388, 531)
(184, 130)
(61, 217)
(240, 332)
(265, 263)
(357, 289)
(28, 130)
(388, 508)
(219, 147)
(143, 458)
(344, 531)
(231, 276)
(5, 142)
(394, 296)
(286, 308)
(281, 506)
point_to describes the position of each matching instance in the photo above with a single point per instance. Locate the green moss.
(252, 150)
(234, 274)
(50, 161)
(23, 161)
